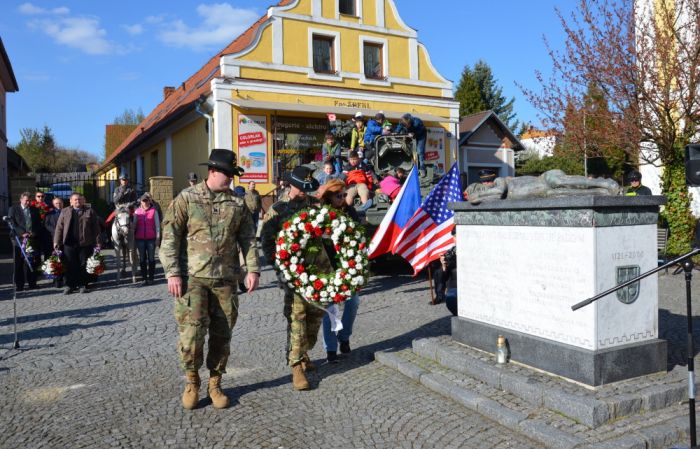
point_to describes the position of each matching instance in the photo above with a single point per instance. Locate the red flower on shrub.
(332, 214)
(283, 254)
(352, 263)
(295, 247)
(318, 284)
(286, 225)
(303, 216)
(300, 269)
(309, 227)
(317, 232)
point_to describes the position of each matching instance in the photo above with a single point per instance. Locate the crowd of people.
(74, 233)
(358, 172)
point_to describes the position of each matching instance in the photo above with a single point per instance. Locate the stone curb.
(588, 411)
(539, 431)
(653, 437)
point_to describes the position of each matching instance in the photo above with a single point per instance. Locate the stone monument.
(523, 263)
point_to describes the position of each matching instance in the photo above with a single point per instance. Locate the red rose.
(287, 263)
(318, 284)
(303, 216)
(344, 287)
(332, 214)
(297, 282)
(363, 246)
(286, 225)
(316, 296)
(328, 231)
(342, 274)
(295, 234)
(283, 254)
(339, 297)
(295, 247)
(280, 241)
(351, 263)
(318, 232)
(337, 247)
(300, 269)
(309, 227)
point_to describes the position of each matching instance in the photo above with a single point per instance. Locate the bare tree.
(644, 56)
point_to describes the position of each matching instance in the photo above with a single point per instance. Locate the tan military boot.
(307, 365)
(190, 397)
(299, 381)
(218, 398)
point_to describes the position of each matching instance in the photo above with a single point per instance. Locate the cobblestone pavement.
(100, 370)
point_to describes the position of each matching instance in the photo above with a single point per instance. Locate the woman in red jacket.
(146, 233)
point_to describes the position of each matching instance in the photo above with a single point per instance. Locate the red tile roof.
(184, 96)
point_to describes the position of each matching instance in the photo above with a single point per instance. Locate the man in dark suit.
(27, 225)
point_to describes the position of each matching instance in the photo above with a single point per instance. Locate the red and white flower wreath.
(307, 228)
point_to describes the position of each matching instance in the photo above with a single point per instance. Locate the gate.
(97, 190)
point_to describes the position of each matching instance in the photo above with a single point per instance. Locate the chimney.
(167, 90)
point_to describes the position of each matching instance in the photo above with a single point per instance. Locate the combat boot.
(190, 397)
(299, 381)
(307, 365)
(218, 398)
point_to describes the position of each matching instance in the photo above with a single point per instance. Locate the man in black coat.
(27, 224)
(50, 225)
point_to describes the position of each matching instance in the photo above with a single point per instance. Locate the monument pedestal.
(522, 264)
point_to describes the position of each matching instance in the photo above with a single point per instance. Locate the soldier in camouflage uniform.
(303, 318)
(202, 231)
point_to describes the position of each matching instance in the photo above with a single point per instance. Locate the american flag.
(428, 234)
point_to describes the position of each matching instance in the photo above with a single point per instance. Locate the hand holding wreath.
(302, 233)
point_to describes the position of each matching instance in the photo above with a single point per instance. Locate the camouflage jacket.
(253, 201)
(124, 195)
(272, 224)
(202, 233)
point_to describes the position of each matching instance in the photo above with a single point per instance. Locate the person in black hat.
(303, 319)
(124, 195)
(487, 180)
(209, 224)
(635, 188)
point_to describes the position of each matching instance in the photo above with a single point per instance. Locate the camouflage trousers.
(208, 305)
(303, 323)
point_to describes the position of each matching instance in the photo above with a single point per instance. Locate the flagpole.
(430, 285)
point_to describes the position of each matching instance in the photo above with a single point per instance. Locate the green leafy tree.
(44, 155)
(478, 91)
(129, 117)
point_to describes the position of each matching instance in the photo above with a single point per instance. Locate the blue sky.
(81, 63)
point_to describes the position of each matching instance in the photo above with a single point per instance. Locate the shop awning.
(301, 107)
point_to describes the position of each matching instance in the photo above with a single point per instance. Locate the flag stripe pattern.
(396, 218)
(428, 234)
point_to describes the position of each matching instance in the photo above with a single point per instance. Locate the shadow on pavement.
(77, 313)
(674, 329)
(356, 359)
(53, 331)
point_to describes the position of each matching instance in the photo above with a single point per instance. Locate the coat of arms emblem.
(629, 294)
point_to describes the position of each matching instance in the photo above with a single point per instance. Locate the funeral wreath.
(303, 233)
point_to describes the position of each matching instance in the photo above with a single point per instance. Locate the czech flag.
(428, 233)
(402, 209)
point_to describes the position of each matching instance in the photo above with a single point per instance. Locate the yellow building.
(270, 93)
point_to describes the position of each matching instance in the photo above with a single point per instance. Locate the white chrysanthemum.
(358, 267)
(309, 291)
(293, 268)
(358, 235)
(296, 220)
(350, 253)
(358, 258)
(323, 211)
(312, 212)
(287, 277)
(344, 264)
(294, 260)
(313, 277)
(335, 223)
(352, 243)
(324, 294)
(301, 227)
(352, 271)
(337, 281)
(360, 280)
(304, 277)
(342, 227)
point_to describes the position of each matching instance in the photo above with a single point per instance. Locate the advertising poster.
(252, 148)
(435, 149)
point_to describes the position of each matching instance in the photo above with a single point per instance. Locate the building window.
(373, 61)
(154, 164)
(347, 7)
(323, 54)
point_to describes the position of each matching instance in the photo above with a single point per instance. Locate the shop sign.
(353, 104)
(435, 149)
(252, 147)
